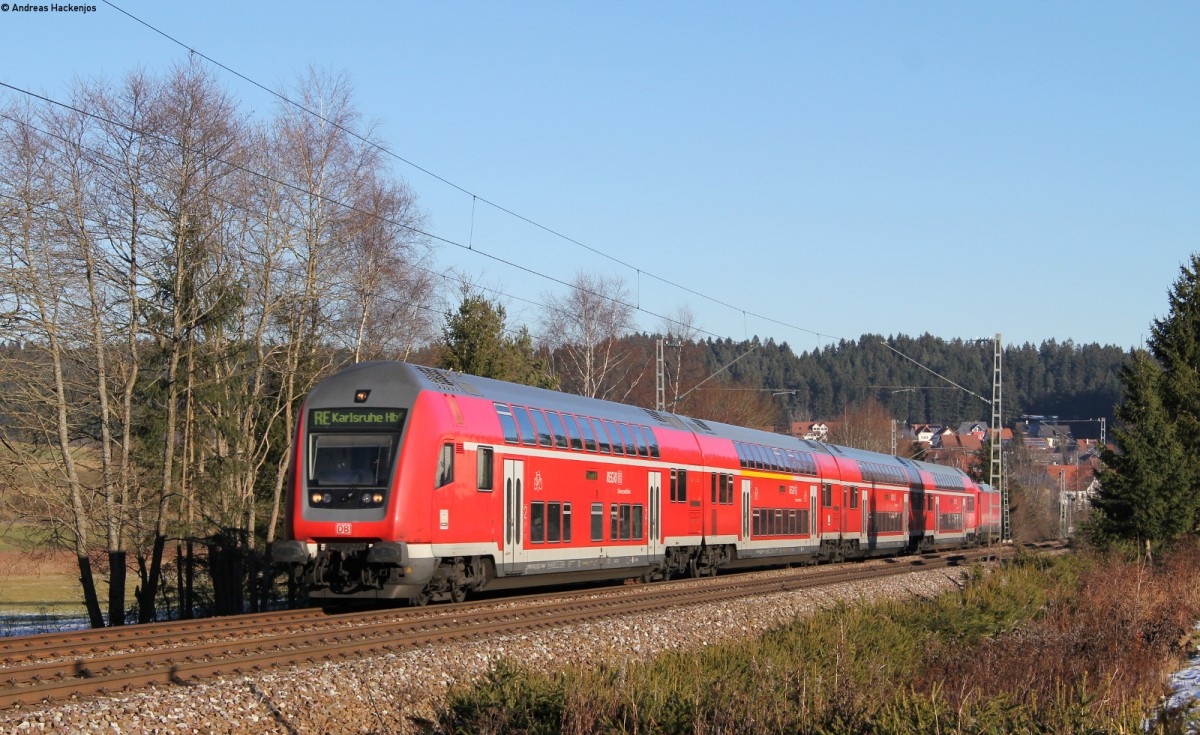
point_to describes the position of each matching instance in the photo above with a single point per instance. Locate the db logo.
(343, 529)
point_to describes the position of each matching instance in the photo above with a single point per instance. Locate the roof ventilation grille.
(440, 377)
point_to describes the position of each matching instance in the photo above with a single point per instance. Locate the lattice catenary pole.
(998, 479)
(660, 385)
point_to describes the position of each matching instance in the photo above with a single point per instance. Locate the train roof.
(448, 381)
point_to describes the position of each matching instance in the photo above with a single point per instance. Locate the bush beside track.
(1067, 644)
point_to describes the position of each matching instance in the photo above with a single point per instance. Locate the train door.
(514, 481)
(844, 526)
(828, 522)
(654, 537)
(745, 509)
(814, 513)
(864, 512)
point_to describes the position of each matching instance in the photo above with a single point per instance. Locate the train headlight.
(377, 498)
(365, 499)
(315, 499)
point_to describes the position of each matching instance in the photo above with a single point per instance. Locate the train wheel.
(458, 594)
(421, 599)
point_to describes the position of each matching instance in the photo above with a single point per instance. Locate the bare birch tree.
(37, 287)
(582, 330)
(387, 299)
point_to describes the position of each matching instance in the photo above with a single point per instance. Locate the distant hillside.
(1063, 379)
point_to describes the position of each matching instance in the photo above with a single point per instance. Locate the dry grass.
(1083, 644)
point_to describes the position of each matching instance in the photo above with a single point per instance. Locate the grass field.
(34, 579)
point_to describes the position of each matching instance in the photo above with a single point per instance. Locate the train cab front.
(345, 522)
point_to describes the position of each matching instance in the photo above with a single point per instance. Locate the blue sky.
(831, 169)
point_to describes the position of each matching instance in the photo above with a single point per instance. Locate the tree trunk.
(148, 590)
(90, 600)
(116, 587)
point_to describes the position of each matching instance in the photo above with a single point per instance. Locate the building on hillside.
(977, 429)
(924, 432)
(954, 450)
(810, 430)
(940, 435)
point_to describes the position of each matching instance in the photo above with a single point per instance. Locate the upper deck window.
(627, 439)
(653, 440)
(589, 438)
(614, 436)
(602, 436)
(556, 426)
(543, 428)
(527, 433)
(507, 423)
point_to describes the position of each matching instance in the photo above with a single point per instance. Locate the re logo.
(343, 529)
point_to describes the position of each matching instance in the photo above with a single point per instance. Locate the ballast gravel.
(396, 693)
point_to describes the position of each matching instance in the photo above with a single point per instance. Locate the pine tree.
(1151, 489)
(1175, 343)
(1148, 489)
(475, 342)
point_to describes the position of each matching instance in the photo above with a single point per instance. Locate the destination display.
(341, 419)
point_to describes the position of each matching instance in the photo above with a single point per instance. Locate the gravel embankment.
(386, 694)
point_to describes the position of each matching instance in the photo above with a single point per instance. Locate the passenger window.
(537, 523)
(566, 523)
(652, 440)
(602, 437)
(597, 521)
(613, 534)
(589, 438)
(556, 425)
(553, 522)
(521, 414)
(445, 470)
(625, 521)
(507, 424)
(572, 428)
(640, 439)
(484, 467)
(543, 428)
(638, 515)
(627, 439)
(757, 452)
(615, 437)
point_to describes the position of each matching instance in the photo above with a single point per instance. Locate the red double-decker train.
(415, 483)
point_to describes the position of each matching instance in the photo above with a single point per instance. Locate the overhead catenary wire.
(194, 52)
(352, 208)
(329, 200)
(388, 152)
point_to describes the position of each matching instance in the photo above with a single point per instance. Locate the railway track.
(49, 668)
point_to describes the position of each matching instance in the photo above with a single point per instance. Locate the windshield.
(354, 460)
